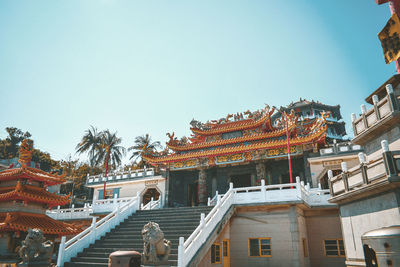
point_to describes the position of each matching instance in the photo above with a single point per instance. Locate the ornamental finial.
(25, 152)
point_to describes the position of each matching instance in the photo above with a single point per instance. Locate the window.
(225, 251)
(260, 247)
(216, 253)
(334, 248)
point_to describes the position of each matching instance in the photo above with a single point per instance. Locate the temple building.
(310, 109)
(24, 201)
(244, 148)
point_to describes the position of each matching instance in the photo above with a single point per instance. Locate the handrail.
(291, 191)
(70, 248)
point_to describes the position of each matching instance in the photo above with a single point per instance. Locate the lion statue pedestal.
(156, 248)
(35, 250)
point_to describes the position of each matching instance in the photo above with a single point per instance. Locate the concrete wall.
(365, 215)
(373, 148)
(322, 225)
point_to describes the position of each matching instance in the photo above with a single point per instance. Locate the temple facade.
(242, 149)
(24, 201)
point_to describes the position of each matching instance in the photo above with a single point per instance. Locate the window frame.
(340, 255)
(215, 256)
(305, 247)
(259, 247)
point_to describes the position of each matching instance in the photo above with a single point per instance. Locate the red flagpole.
(288, 149)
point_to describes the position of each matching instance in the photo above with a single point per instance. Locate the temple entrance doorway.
(241, 180)
(192, 198)
(150, 193)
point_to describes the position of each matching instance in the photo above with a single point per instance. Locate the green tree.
(91, 144)
(10, 145)
(111, 151)
(143, 145)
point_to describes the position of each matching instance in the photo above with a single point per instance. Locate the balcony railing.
(381, 110)
(367, 175)
(120, 176)
(71, 213)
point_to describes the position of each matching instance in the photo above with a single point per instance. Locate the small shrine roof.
(32, 194)
(31, 174)
(22, 221)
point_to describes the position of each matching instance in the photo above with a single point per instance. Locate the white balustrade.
(76, 244)
(120, 175)
(246, 195)
(108, 205)
(71, 213)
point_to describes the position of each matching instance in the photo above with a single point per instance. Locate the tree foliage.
(143, 145)
(10, 145)
(102, 148)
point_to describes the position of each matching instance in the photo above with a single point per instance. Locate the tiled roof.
(231, 126)
(31, 174)
(32, 194)
(315, 136)
(22, 221)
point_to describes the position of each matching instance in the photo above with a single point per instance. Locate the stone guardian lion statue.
(156, 248)
(35, 248)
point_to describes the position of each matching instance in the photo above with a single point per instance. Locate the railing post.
(330, 183)
(298, 187)
(392, 98)
(308, 186)
(180, 251)
(319, 186)
(115, 202)
(208, 201)
(363, 167)
(263, 190)
(218, 199)
(61, 249)
(93, 230)
(388, 160)
(375, 101)
(344, 176)
(151, 202)
(94, 200)
(138, 200)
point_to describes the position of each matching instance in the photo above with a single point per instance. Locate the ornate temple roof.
(26, 172)
(32, 194)
(29, 173)
(211, 142)
(22, 221)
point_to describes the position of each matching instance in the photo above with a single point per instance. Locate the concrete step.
(174, 222)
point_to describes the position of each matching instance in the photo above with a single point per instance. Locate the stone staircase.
(174, 222)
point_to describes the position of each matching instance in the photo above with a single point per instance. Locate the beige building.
(368, 193)
(127, 184)
(278, 235)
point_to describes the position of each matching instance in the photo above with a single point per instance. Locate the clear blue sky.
(141, 67)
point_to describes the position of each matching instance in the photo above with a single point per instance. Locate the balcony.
(384, 114)
(378, 175)
(119, 176)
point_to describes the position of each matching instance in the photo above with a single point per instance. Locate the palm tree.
(142, 146)
(110, 150)
(90, 143)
